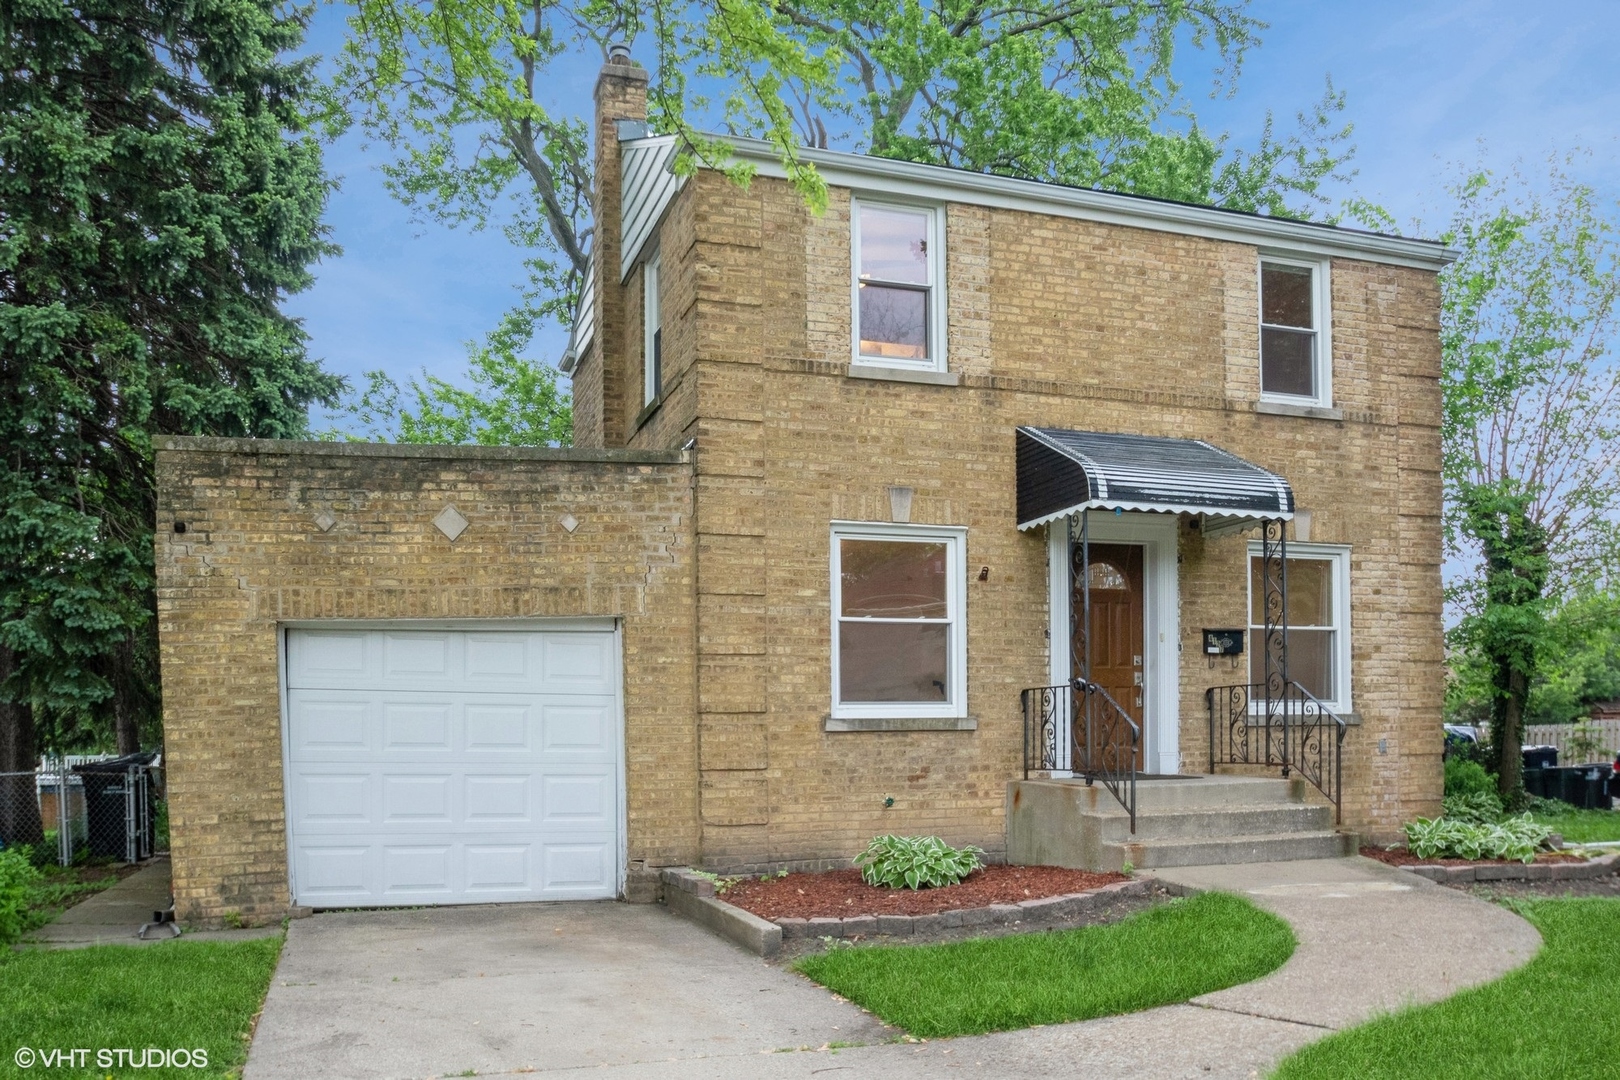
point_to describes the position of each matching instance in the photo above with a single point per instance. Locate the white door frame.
(1157, 535)
(589, 624)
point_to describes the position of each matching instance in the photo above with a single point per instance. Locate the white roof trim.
(876, 175)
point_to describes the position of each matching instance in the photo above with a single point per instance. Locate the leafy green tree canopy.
(159, 196)
(1531, 423)
(1073, 91)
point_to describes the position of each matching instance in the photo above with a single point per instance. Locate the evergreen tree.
(158, 198)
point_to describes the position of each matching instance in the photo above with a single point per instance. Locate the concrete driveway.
(634, 992)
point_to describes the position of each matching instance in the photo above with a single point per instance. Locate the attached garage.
(452, 765)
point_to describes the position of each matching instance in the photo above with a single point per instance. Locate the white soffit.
(876, 175)
(584, 321)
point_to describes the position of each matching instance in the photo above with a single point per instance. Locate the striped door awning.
(1063, 472)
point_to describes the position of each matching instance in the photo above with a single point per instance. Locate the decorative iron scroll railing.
(1102, 740)
(1286, 726)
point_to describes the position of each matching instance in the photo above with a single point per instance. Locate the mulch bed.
(1403, 857)
(836, 894)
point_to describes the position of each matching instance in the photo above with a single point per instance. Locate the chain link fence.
(75, 809)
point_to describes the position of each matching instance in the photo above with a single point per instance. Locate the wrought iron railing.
(1103, 741)
(1287, 727)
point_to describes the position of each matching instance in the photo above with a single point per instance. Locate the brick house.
(855, 500)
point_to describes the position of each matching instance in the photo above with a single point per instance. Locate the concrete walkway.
(114, 915)
(635, 992)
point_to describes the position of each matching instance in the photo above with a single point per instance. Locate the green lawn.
(1556, 1017)
(1166, 954)
(176, 994)
(1582, 826)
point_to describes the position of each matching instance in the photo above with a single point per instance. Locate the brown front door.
(1116, 627)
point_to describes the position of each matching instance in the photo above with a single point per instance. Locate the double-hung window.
(899, 639)
(652, 342)
(898, 300)
(1318, 612)
(1294, 349)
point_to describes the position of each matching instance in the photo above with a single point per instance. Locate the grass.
(1582, 826)
(1163, 955)
(1554, 1017)
(176, 994)
(60, 887)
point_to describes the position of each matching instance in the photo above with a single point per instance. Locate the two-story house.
(1049, 520)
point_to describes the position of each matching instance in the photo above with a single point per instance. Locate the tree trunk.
(19, 796)
(126, 709)
(1507, 730)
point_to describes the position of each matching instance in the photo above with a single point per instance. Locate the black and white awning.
(1064, 472)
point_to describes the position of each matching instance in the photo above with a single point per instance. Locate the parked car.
(1462, 739)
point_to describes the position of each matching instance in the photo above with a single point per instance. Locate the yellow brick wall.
(1051, 322)
(251, 558)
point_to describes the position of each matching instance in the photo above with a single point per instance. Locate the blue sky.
(1430, 83)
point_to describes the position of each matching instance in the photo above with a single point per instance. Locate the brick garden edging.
(1592, 868)
(694, 897)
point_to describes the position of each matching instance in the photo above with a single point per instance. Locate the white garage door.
(451, 767)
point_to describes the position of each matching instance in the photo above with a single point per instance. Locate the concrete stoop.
(1182, 821)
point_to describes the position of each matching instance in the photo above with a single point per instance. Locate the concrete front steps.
(1182, 821)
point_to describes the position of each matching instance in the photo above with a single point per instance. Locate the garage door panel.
(577, 663)
(416, 725)
(570, 870)
(322, 722)
(334, 797)
(417, 799)
(500, 798)
(452, 767)
(421, 871)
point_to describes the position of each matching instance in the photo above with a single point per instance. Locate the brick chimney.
(621, 100)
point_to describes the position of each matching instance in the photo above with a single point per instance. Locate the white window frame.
(955, 539)
(935, 360)
(1321, 293)
(1339, 556)
(651, 322)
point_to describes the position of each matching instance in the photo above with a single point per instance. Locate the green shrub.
(1464, 777)
(16, 875)
(1448, 838)
(916, 862)
(1479, 807)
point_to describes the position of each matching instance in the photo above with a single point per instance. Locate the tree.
(159, 196)
(1072, 91)
(1531, 425)
(516, 402)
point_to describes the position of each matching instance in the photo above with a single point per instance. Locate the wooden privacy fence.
(1606, 731)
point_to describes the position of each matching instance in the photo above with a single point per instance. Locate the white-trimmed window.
(1295, 353)
(899, 271)
(1318, 621)
(652, 342)
(899, 634)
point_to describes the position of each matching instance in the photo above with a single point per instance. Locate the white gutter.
(886, 176)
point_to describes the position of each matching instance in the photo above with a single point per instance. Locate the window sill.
(899, 374)
(1315, 412)
(647, 413)
(901, 723)
(1351, 719)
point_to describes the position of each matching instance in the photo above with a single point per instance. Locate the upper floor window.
(652, 343)
(1293, 340)
(898, 269)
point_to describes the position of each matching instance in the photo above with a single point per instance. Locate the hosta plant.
(1449, 838)
(1478, 807)
(916, 862)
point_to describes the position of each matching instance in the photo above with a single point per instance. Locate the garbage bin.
(1539, 757)
(107, 805)
(1535, 782)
